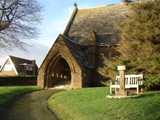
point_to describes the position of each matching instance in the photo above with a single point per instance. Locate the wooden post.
(121, 70)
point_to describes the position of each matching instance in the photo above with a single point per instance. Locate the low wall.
(17, 80)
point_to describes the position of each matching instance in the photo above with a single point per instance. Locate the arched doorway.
(59, 74)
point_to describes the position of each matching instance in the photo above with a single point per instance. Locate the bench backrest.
(132, 79)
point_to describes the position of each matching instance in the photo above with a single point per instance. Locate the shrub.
(152, 82)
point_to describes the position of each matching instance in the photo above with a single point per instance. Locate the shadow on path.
(32, 106)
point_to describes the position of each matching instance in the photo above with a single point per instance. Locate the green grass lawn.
(92, 104)
(7, 94)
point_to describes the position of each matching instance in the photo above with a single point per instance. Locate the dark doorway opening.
(59, 74)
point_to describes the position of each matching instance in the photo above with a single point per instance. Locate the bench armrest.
(115, 82)
(111, 82)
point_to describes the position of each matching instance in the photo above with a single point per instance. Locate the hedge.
(18, 80)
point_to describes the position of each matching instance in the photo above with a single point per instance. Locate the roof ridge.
(97, 6)
(11, 56)
(101, 6)
(71, 20)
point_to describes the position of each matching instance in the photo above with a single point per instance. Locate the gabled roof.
(92, 27)
(79, 52)
(11, 63)
(17, 62)
(101, 20)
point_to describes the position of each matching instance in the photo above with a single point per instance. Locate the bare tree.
(18, 20)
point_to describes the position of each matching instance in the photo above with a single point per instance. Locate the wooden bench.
(131, 81)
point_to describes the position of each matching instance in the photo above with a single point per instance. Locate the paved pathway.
(32, 106)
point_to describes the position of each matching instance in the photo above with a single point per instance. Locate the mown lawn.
(7, 94)
(92, 104)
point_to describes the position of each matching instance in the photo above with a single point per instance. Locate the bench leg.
(115, 91)
(137, 90)
(110, 90)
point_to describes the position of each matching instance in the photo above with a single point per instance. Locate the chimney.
(34, 67)
(33, 62)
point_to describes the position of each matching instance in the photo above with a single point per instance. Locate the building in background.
(15, 66)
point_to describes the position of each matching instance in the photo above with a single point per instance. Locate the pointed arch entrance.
(59, 74)
(60, 68)
(63, 72)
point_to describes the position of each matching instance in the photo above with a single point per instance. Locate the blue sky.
(55, 16)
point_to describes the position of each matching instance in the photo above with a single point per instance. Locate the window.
(29, 68)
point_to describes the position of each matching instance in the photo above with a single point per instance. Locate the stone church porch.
(60, 68)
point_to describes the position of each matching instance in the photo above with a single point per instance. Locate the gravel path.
(32, 106)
